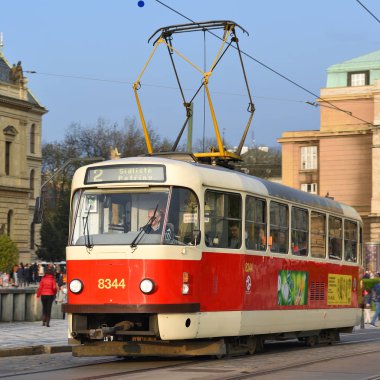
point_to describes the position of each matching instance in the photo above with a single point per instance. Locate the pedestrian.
(34, 273)
(367, 306)
(47, 290)
(27, 275)
(5, 279)
(376, 298)
(14, 276)
(21, 275)
(62, 297)
(41, 272)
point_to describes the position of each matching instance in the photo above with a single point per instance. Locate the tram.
(176, 254)
(169, 256)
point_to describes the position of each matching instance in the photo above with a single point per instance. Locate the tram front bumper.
(156, 348)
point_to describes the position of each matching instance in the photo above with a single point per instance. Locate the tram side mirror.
(38, 211)
(196, 237)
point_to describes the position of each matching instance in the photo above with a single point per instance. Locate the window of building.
(311, 188)
(358, 79)
(32, 138)
(300, 231)
(7, 157)
(350, 241)
(318, 235)
(32, 236)
(255, 224)
(31, 184)
(309, 159)
(9, 223)
(279, 228)
(223, 219)
(335, 238)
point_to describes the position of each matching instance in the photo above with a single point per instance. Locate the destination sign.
(125, 173)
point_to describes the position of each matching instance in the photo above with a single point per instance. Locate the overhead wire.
(226, 93)
(270, 68)
(359, 2)
(219, 92)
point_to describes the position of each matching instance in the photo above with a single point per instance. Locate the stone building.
(20, 158)
(342, 158)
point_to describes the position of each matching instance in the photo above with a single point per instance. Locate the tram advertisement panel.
(292, 288)
(339, 289)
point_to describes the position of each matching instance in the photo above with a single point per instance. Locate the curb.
(34, 350)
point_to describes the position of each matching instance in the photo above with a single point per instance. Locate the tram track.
(295, 366)
(186, 367)
(271, 361)
(206, 365)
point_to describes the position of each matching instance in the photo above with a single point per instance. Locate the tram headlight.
(76, 286)
(147, 286)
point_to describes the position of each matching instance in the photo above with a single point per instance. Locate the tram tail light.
(185, 283)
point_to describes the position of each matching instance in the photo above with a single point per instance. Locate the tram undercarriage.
(138, 335)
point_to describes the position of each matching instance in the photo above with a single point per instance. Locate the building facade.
(342, 158)
(20, 159)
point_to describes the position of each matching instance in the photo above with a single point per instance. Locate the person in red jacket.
(47, 290)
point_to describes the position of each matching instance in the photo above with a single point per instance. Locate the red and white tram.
(173, 257)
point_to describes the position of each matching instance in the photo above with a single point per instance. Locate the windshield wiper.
(86, 231)
(145, 229)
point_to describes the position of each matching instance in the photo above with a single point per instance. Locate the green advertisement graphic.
(292, 288)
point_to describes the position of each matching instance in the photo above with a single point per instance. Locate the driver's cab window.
(151, 216)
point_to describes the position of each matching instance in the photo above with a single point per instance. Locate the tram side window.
(255, 224)
(279, 228)
(350, 241)
(335, 238)
(222, 219)
(300, 231)
(318, 235)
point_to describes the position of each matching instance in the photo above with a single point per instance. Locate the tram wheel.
(252, 345)
(311, 341)
(260, 344)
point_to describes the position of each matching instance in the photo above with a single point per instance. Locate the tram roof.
(254, 184)
(227, 179)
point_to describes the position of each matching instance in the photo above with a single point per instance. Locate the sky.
(65, 42)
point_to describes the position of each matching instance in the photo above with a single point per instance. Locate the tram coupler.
(101, 333)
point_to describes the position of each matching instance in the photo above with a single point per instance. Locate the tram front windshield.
(139, 216)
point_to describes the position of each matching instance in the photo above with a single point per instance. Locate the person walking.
(367, 306)
(376, 299)
(47, 290)
(27, 275)
(34, 273)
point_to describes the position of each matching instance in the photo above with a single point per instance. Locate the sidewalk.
(30, 338)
